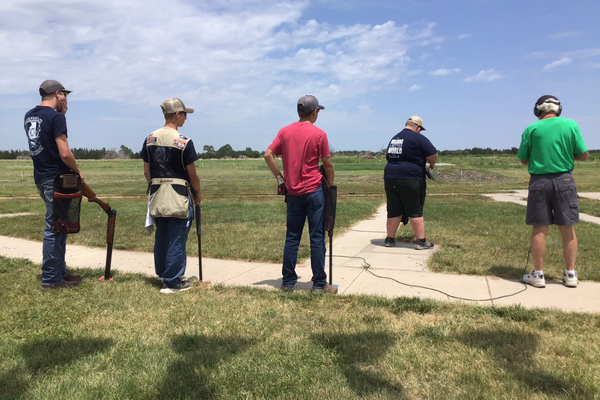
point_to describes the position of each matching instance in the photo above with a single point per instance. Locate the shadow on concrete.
(402, 245)
(506, 271)
(357, 356)
(200, 355)
(40, 357)
(514, 351)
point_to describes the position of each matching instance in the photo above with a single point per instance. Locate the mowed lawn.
(125, 340)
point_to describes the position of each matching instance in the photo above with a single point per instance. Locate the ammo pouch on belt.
(169, 198)
(66, 204)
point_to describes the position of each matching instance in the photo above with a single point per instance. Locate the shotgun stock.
(110, 227)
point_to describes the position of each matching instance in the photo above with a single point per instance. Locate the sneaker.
(63, 284)
(570, 278)
(389, 242)
(534, 280)
(423, 245)
(71, 277)
(171, 288)
(285, 288)
(327, 289)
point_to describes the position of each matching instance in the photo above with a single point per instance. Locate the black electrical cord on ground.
(366, 266)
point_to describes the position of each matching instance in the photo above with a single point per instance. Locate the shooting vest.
(169, 189)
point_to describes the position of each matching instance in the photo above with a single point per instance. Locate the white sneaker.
(537, 281)
(570, 278)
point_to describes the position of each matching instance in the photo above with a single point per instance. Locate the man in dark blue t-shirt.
(404, 178)
(46, 129)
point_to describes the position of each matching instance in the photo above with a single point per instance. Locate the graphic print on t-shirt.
(395, 147)
(33, 126)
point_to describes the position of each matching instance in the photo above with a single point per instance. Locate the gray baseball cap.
(51, 86)
(171, 106)
(309, 103)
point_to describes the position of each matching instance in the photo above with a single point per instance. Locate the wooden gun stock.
(110, 227)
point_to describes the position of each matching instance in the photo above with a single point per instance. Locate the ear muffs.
(546, 102)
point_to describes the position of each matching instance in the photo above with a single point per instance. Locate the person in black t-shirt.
(404, 177)
(46, 129)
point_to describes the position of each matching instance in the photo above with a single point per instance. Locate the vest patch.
(179, 143)
(150, 139)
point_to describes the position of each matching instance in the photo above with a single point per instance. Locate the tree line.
(227, 151)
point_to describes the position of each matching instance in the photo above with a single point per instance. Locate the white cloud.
(565, 35)
(235, 53)
(487, 75)
(444, 71)
(414, 88)
(464, 36)
(557, 63)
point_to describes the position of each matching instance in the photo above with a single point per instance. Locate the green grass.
(124, 340)
(482, 237)
(589, 206)
(244, 219)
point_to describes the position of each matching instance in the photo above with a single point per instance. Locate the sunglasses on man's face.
(64, 93)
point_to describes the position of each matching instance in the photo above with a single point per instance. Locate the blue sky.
(471, 69)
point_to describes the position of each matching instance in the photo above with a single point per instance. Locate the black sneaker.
(284, 288)
(71, 277)
(423, 245)
(389, 242)
(63, 284)
(171, 288)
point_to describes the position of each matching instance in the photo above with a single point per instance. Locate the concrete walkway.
(363, 241)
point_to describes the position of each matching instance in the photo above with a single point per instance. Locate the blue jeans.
(170, 240)
(54, 244)
(311, 205)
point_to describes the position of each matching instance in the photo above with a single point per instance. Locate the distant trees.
(227, 151)
(14, 154)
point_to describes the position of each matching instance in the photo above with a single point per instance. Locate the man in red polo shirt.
(301, 145)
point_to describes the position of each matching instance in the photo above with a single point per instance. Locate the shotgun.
(110, 227)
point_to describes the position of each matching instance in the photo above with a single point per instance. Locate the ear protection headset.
(547, 103)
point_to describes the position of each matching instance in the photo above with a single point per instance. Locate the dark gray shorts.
(552, 199)
(405, 197)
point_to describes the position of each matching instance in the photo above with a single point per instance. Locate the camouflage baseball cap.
(171, 106)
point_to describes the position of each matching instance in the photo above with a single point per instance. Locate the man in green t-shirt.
(550, 147)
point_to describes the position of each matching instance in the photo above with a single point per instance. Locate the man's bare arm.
(525, 161)
(582, 156)
(432, 160)
(147, 172)
(328, 167)
(194, 181)
(272, 163)
(66, 155)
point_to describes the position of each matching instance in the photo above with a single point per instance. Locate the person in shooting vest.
(46, 129)
(174, 188)
(549, 148)
(404, 179)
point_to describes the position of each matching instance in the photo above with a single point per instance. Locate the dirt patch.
(467, 176)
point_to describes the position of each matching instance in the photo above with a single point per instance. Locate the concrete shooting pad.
(359, 255)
